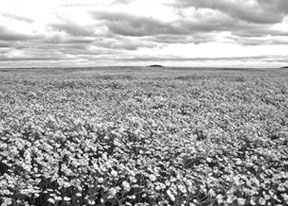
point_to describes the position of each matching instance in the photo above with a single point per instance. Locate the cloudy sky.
(242, 33)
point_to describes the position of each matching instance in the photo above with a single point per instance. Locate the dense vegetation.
(143, 136)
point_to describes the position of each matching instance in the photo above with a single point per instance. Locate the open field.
(143, 136)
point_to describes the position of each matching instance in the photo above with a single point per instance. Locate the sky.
(64, 33)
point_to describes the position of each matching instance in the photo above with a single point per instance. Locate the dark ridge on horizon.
(155, 65)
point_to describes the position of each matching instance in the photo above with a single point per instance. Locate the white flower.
(152, 178)
(132, 179)
(91, 202)
(67, 199)
(112, 192)
(241, 201)
(7, 201)
(132, 197)
(114, 173)
(262, 201)
(101, 180)
(167, 183)
(51, 200)
(182, 188)
(126, 186)
(163, 186)
(58, 198)
(158, 187)
(170, 194)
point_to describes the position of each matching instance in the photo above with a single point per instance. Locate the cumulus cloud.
(72, 29)
(5, 45)
(123, 42)
(265, 40)
(8, 35)
(196, 38)
(133, 25)
(194, 26)
(253, 11)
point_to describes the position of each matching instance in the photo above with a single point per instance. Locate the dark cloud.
(5, 58)
(123, 45)
(78, 41)
(5, 45)
(193, 29)
(110, 41)
(208, 25)
(70, 47)
(56, 39)
(7, 35)
(259, 32)
(280, 6)
(2, 56)
(73, 29)
(61, 47)
(196, 38)
(255, 41)
(94, 51)
(241, 19)
(131, 25)
(14, 44)
(260, 12)
(247, 22)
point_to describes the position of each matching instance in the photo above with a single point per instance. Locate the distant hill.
(156, 65)
(285, 67)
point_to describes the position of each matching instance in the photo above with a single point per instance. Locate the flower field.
(143, 136)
